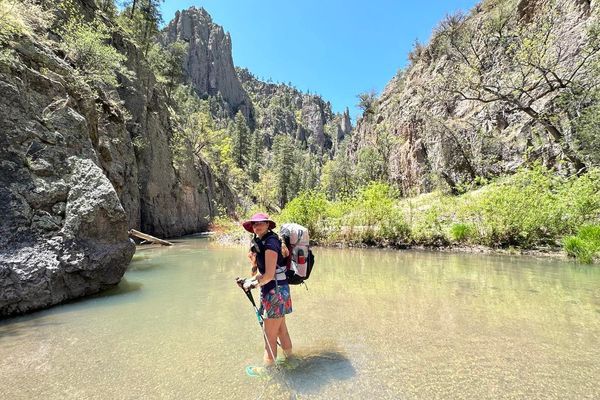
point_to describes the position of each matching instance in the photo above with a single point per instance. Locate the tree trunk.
(133, 9)
(558, 137)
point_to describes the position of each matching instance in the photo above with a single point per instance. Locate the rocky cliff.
(138, 159)
(282, 109)
(83, 162)
(63, 228)
(491, 91)
(208, 64)
(271, 108)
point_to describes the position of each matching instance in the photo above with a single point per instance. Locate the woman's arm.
(252, 258)
(271, 262)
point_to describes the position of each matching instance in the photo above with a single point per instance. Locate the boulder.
(63, 229)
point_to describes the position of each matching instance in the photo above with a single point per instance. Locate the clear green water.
(375, 324)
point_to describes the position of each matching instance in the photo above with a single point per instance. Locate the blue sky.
(334, 48)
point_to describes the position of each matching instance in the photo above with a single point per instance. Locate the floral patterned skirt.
(276, 303)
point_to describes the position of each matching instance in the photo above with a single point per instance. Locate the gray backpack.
(301, 259)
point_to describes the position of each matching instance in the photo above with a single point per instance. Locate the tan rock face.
(442, 138)
(209, 63)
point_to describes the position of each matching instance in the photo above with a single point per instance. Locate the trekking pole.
(260, 321)
(251, 298)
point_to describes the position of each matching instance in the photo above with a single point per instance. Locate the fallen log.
(149, 238)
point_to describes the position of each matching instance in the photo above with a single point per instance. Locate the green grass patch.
(461, 232)
(585, 245)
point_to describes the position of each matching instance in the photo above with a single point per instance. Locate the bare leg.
(271, 329)
(284, 338)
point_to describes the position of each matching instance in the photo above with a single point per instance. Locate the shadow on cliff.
(311, 371)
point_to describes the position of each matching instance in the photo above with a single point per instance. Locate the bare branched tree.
(524, 65)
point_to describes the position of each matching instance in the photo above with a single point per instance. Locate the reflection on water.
(124, 287)
(373, 324)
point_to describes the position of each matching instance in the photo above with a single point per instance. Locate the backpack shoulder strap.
(260, 244)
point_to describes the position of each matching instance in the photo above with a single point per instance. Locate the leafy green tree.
(194, 137)
(308, 176)
(197, 140)
(310, 208)
(265, 191)
(587, 128)
(85, 44)
(370, 166)
(338, 178)
(167, 63)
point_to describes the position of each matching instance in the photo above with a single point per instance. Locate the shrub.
(309, 209)
(86, 44)
(374, 202)
(461, 232)
(375, 215)
(580, 201)
(530, 208)
(429, 215)
(591, 234)
(586, 245)
(520, 210)
(21, 17)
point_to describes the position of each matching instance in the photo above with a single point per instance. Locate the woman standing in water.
(269, 273)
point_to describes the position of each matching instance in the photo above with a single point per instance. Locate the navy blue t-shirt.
(270, 242)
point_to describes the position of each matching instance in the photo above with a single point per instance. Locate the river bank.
(533, 212)
(556, 253)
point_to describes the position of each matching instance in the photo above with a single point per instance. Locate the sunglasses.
(258, 223)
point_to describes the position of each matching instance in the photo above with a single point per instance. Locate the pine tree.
(284, 166)
(240, 135)
(256, 156)
(143, 22)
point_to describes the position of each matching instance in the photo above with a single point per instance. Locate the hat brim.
(248, 224)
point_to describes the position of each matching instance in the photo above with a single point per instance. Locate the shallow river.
(374, 324)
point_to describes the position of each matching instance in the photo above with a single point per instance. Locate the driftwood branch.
(144, 236)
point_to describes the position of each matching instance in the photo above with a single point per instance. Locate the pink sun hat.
(259, 217)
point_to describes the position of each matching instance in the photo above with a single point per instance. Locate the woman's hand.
(246, 283)
(250, 284)
(252, 258)
(284, 250)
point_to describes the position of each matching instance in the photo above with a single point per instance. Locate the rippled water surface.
(374, 324)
